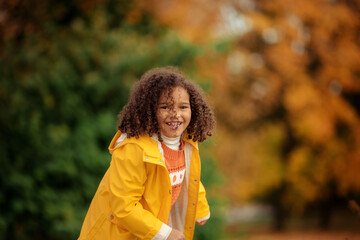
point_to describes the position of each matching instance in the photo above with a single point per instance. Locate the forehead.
(178, 93)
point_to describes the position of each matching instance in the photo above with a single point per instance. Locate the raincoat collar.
(147, 143)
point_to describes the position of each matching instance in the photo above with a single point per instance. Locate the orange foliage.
(310, 49)
(190, 18)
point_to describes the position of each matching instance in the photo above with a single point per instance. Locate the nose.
(175, 113)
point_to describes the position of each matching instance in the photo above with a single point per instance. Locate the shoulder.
(144, 144)
(188, 139)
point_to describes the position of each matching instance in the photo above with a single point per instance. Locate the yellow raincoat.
(133, 199)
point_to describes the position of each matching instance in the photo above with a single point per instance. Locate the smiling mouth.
(174, 125)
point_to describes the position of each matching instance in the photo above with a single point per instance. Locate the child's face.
(173, 120)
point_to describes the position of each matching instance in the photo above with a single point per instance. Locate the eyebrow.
(165, 103)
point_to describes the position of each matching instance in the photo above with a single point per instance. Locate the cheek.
(189, 117)
(160, 116)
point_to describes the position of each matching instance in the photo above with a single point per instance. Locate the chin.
(173, 135)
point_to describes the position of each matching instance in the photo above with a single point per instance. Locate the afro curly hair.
(138, 117)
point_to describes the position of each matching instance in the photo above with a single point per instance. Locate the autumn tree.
(288, 108)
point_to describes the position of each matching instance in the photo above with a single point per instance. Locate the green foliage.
(215, 226)
(212, 179)
(59, 96)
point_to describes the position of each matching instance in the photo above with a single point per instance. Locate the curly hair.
(138, 117)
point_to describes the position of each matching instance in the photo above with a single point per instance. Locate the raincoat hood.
(121, 138)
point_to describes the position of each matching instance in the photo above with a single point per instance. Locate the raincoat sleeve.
(203, 209)
(127, 178)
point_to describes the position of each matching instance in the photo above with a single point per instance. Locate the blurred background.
(282, 76)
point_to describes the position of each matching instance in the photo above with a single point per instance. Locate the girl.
(152, 189)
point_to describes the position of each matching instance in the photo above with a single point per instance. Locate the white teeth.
(174, 124)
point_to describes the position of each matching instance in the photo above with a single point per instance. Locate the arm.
(126, 185)
(203, 209)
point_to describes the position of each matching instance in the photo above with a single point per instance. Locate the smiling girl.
(152, 188)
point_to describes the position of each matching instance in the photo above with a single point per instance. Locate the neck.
(173, 143)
